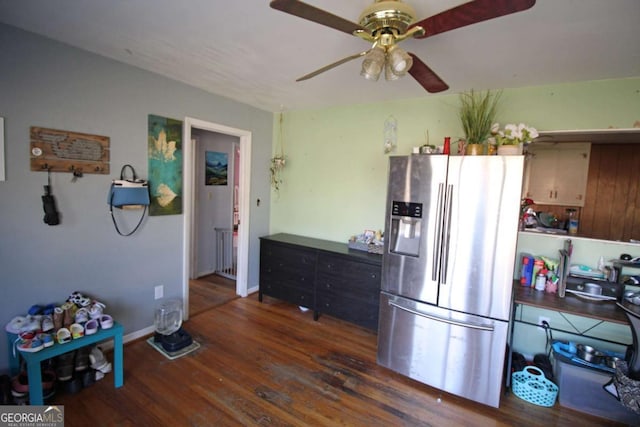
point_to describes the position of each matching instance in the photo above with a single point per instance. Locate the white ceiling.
(244, 50)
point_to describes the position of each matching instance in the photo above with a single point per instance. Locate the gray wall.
(48, 84)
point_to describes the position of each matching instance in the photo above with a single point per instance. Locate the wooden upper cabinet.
(612, 208)
(556, 174)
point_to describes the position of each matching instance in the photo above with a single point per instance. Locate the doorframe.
(189, 201)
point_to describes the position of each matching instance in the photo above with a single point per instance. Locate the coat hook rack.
(66, 151)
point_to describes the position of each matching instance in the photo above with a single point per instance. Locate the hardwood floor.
(271, 364)
(210, 291)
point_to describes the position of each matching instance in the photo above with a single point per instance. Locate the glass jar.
(572, 221)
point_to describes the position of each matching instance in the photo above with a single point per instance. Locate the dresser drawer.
(287, 266)
(295, 296)
(349, 309)
(344, 276)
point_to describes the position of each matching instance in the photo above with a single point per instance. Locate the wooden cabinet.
(557, 173)
(287, 273)
(348, 288)
(324, 276)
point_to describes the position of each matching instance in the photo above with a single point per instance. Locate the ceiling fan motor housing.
(387, 14)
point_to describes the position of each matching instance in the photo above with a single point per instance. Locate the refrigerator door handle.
(447, 233)
(437, 242)
(441, 319)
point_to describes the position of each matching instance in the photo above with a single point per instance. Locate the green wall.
(334, 182)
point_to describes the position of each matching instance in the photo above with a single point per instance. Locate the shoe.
(78, 299)
(29, 346)
(91, 327)
(77, 330)
(47, 339)
(74, 385)
(47, 323)
(82, 315)
(36, 309)
(58, 317)
(518, 362)
(95, 311)
(65, 366)
(48, 309)
(98, 361)
(69, 310)
(63, 336)
(32, 323)
(106, 321)
(82, 358)
(20, 385)
(544, 364)
(16, 325)
(88, 377)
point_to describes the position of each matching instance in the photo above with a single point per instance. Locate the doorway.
(244, 177)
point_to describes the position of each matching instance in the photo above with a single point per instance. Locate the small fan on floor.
(168, 323)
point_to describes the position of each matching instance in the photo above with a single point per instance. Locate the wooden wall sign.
(64, 151)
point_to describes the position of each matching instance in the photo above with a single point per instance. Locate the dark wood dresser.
(324, 276)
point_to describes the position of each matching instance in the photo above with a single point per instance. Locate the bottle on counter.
(541, 280)
(572, 221)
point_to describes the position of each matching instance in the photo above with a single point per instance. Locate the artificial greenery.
(278, 161)
(478, 112)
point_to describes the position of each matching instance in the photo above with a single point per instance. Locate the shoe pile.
(76, 370)
(51, 324)
(18, 386)
(45, 325)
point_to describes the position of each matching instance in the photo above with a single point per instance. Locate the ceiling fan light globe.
(371, 71)
(373, 64)
(400, 61)
(389, 75)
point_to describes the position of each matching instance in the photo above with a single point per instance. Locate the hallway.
(210, 291)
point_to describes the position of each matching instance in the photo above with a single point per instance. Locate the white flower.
(514, 134)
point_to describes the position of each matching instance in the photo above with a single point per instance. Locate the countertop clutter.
(605, 292)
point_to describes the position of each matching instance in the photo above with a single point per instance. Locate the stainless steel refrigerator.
(450, 242)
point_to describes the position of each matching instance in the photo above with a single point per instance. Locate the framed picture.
(216, 165)
(1, 148)
(165, 165)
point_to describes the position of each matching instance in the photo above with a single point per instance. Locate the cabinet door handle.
(556, 194)
(551, 194)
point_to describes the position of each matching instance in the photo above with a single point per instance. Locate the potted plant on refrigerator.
(477, 113)
(510, 141)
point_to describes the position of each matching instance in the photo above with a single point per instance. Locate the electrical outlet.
(159, 291)
(540, 320)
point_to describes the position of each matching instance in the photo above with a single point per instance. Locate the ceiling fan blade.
(311, 13)
(330, 66)
(471, 13)
(427, 78)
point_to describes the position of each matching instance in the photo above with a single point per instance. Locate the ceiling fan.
(386, 23)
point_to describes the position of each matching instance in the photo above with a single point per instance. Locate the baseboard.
(108, 345)
(204, 273)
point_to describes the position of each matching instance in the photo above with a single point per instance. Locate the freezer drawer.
(455, 352)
